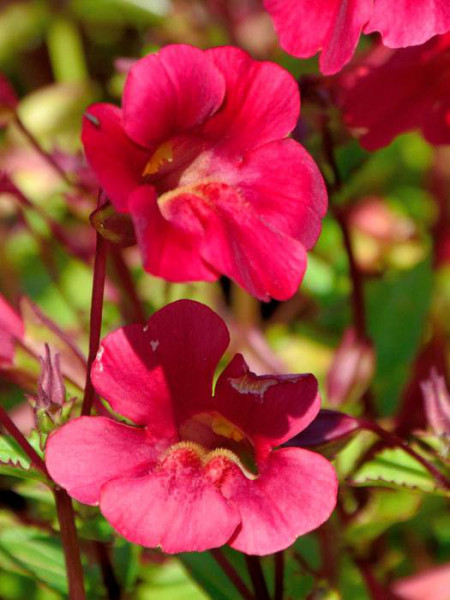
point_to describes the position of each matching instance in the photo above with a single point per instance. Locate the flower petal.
(295, 493)
(116, 160)
(262, 102)
(89, 451)
(333, 26)
(270, 409)
(169, 92)
(168, 251)
(237, 242)
(409, 23)
(175, 507)
(157, 374)
(266, 181)
(414, 79)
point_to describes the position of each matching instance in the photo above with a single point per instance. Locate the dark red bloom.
(392, 92)
(198, 156)
(197, 471)
(334, 27)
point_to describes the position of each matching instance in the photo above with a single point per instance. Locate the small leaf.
(393, 467)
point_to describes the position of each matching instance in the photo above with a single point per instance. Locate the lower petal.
(89, 451)
(169, 252)
(175, 508)
(294, 494)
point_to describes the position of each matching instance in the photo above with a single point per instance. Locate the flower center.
(215, 435)
(162, 156)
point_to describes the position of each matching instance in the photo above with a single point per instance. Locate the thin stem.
(232, 574)
(124, 275)
(40, 150)
(11, 428)
(71, 547)
(110, 582)
(98, 286)
(358, 304)
(257, 577)
(394, 440)
(279, 576)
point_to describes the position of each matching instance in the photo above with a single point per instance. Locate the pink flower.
(414, 84)
(333, 27)
(12, 331)
(197, 471)
(198, 156)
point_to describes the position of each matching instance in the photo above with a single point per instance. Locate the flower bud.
(352, 369)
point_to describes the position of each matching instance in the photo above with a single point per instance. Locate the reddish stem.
(11, 428)
(98, 286)
(394, 440)
(232, 574)
(71, 547)
(279, 576)
(123, 274)
(40, 150)
(257, 576)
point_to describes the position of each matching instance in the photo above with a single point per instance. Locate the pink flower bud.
(352, 369)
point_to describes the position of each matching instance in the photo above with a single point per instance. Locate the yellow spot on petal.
(162, 156)
(222, 426)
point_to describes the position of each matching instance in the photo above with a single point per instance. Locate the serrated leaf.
(11, 453)
(393, 467)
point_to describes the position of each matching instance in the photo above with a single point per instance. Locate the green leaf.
(35, 553)
(395, 468)
(168, 581)
(397, 308)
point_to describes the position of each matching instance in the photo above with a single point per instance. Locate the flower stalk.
(98, 286)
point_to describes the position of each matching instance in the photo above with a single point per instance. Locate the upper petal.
(157, 374)
(269, 409)
(117, 162)
(169, 92)
(262, 102)
(89, 451)
(175, 507)
(293, 205)
(406, 23)
(294, 493)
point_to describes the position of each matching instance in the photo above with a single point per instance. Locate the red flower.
(414, 83)
(197, 471)
(306, 27)
(197, 157)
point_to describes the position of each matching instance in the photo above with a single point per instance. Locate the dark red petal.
(169, 92)
(157, 374)
(89, 451)
(269, 409)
